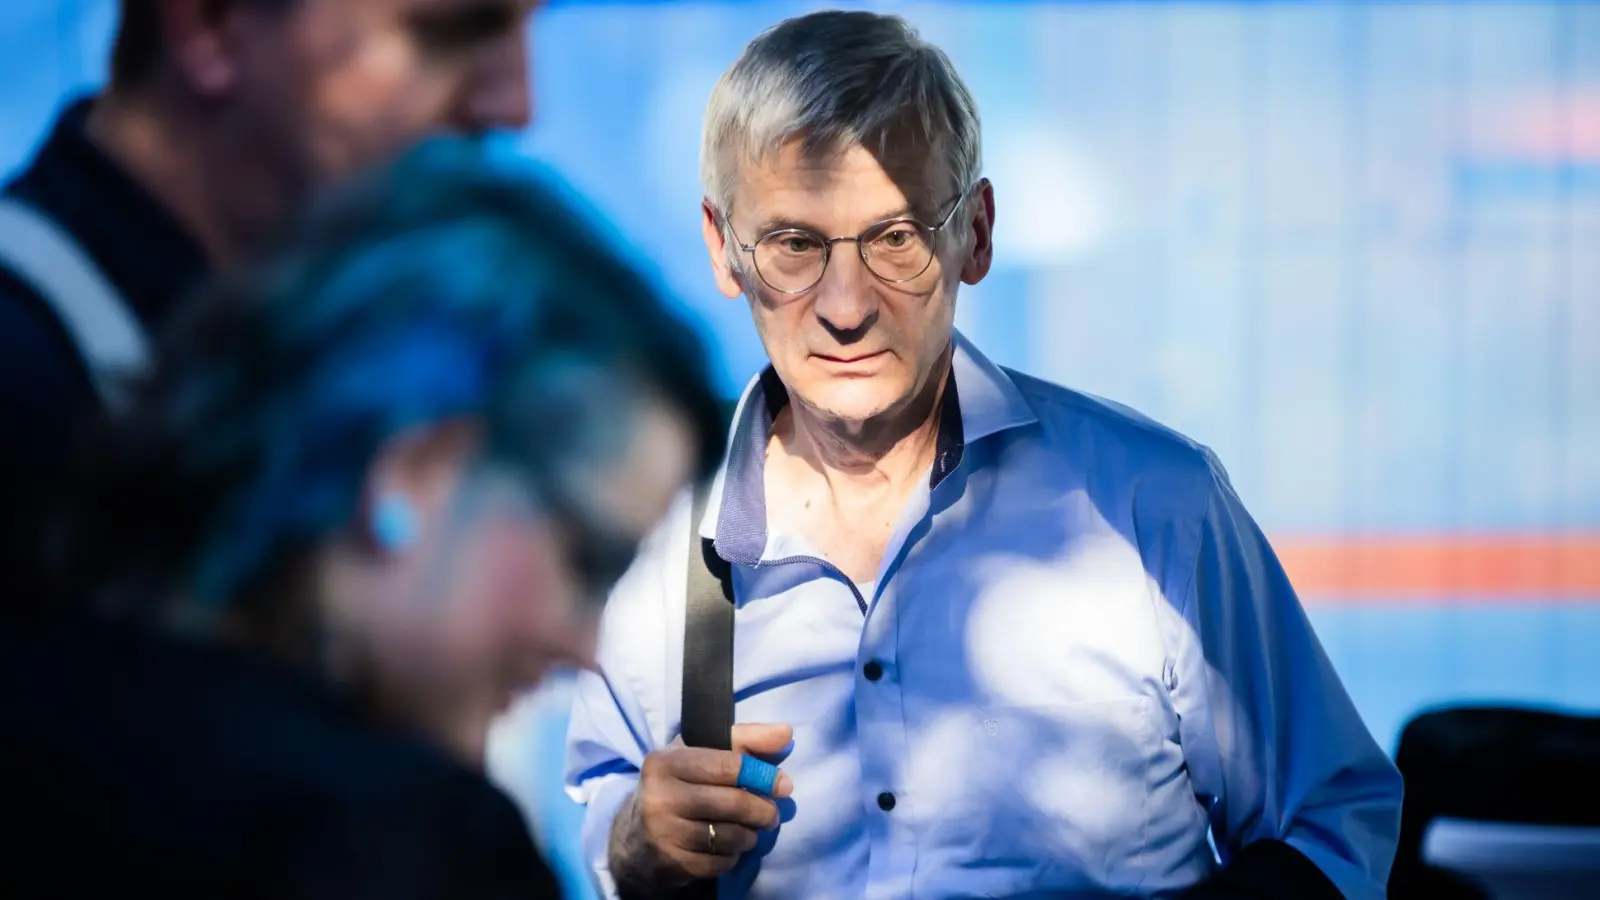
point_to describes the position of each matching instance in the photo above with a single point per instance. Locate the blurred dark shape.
(1490, 764)
(234, 709)
(132, 763)
(47, 387)
(216, 126)
(450, 286)
(1513, 861)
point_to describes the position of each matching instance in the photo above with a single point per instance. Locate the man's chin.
(850, 404)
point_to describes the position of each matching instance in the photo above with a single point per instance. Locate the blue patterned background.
(1355, 247)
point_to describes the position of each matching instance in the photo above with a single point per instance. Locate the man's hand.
(661, 838)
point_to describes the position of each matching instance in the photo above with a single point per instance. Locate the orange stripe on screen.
(1443, 568)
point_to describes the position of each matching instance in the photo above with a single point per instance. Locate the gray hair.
(835, 79)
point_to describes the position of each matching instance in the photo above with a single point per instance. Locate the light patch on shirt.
(1076, 628)
(944, 748)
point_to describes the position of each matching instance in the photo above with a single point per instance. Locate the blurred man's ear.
(717, 245)
(203, 41)
(422, 466)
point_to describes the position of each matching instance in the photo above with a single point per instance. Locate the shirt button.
(873, 670)
(886, 801)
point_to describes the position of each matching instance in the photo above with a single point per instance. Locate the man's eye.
(463, 28)
(797, 245)
(896, 239)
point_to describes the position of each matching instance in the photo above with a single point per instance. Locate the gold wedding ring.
(711, 837)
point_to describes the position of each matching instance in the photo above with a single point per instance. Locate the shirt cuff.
(603, 797)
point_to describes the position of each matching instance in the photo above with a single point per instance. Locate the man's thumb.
(762, 740)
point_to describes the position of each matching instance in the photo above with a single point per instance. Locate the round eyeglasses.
(898, 250)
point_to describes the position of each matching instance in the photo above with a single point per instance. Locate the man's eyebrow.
(903, 211)
(780, 223)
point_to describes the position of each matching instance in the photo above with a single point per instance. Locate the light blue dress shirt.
(1090, 670)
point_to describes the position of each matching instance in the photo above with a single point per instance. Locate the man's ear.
(980, 210)
(423, 465)
(717, 245)
(204, 40)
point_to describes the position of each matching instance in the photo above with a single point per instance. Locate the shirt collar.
(988, 402)
(135, 240)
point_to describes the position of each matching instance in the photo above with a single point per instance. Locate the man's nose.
(497, 94)
(845, 300)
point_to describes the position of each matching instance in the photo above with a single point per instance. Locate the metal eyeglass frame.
(871, 232)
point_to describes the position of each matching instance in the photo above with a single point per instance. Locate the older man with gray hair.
(1005, 639)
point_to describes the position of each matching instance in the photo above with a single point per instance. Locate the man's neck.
(162, 151)
(884, 452)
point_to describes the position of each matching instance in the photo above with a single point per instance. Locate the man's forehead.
(797, 180)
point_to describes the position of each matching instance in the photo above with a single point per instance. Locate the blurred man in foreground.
(379, 481)
(1010, 640)
(220, 116)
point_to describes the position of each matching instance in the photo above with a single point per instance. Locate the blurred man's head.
(841, 163)
(414, 443)
(297, 92)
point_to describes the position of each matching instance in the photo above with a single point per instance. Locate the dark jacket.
(139, 765)
(45, 391)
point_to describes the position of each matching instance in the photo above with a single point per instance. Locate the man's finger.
(766, 741)
(704, 865)
(732, 840)
(696, 765)
(709, 803)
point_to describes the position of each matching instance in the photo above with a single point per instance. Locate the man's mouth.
(846, 359)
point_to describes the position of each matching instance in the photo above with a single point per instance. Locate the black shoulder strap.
(707, 656)
(707, 641)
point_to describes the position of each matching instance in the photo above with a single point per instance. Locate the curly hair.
(444, 286)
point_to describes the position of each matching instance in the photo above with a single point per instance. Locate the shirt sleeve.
(618, 711)
(1277, 747)
(603, 762)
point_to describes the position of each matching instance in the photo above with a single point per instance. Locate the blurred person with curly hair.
(378, 484)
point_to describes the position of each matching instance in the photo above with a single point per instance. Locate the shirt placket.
(883, 743)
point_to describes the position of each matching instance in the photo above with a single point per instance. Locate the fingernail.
(785, 784)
